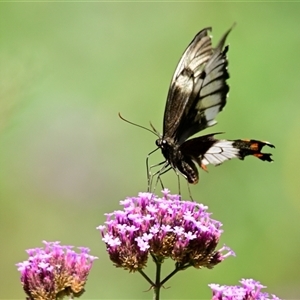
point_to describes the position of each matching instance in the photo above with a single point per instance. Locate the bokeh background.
(67, 69)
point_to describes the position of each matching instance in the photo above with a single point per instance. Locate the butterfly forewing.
(199, 48)
(198, 88)
(209, 99)
(182, 86)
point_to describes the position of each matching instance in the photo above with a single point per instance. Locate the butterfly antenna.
(152, 131)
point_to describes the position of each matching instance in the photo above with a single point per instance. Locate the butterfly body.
(177, 160)
(197, 93)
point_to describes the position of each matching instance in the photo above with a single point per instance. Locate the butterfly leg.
(190, 193)
(149, 176)
(178, 179)
(160, 172)
(161, 184)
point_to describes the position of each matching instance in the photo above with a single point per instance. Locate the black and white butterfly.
(197, 93)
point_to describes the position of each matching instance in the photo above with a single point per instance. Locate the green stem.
(157, 285)
(147, 278)
(153, 257)
(178, 268)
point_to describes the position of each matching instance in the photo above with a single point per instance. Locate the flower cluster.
(55, 271)
(250, 290)
(164, 227)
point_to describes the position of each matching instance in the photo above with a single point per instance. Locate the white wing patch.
(211, 112)
(221, 151)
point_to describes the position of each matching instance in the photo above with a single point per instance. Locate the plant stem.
(178, 268)
(157, 285)
(147, 278)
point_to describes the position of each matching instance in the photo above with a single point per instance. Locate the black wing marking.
(198, 90)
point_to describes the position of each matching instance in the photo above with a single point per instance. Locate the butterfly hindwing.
(207, 150)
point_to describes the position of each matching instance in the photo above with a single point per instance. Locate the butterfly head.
(168, 148)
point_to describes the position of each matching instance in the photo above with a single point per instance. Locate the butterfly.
(197, 93)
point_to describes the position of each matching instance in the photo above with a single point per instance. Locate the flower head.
(55, 271)
(250, 290)
(165, 228)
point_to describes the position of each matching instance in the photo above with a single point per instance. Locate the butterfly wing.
(198, 88)
(208, 150)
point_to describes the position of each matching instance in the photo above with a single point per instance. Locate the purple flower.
(250, 290)
(55, 271)
(165, 228)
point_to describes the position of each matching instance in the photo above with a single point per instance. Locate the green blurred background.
(66, 158)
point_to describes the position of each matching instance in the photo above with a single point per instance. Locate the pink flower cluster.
(164, 227)
(55, 271)
(250, 290)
